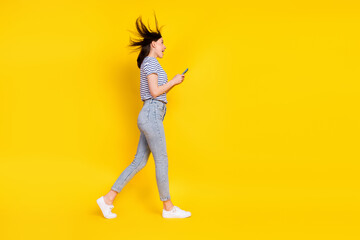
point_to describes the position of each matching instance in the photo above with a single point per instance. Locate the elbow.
(153, 94)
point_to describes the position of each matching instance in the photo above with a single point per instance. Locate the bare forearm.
(170, 88)
(164, 88)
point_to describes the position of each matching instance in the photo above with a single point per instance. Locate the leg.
(168, 205)
(155, 136)
(139, 162)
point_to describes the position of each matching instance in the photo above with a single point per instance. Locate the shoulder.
(150, 60)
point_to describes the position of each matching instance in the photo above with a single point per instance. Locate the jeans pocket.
(164, 112)
(159, 112)
(160, 106)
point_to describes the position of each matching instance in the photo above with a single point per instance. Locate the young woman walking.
(153, 89)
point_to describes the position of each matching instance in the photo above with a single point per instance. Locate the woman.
(153, 89)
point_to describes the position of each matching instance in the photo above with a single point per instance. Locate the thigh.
(154, 132)
(144, 116)
(143, 148)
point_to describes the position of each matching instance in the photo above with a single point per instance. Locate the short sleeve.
(150, 67)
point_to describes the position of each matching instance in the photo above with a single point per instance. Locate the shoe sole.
(175, 217)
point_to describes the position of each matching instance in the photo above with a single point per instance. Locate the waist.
(153, 99)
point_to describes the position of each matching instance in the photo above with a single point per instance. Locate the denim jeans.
(152, 139)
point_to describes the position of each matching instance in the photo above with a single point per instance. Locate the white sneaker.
(105, 208)
(176, 212)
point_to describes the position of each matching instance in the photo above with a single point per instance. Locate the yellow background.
(262, 135)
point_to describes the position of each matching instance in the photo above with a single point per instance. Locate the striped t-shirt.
(148, 66)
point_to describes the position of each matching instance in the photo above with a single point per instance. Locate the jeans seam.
(148, 114)
(162, 141)
(164, 113)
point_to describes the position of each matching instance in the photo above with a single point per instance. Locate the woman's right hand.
(179, 78)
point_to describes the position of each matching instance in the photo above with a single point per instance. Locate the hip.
(153, 111)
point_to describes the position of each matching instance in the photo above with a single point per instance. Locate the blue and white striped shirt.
(148, 66)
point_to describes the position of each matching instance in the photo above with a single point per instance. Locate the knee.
(143, 160)
(161, 159)
(161, 164)
(142, 164)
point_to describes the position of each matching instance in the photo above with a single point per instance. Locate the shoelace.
(109, 209)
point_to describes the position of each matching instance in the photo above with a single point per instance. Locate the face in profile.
(159, 47)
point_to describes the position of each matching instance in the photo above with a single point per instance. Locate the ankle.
(168, 208)
(108, 201)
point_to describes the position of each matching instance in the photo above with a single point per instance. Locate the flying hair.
(145, 36)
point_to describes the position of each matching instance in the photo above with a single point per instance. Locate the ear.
(153, 44)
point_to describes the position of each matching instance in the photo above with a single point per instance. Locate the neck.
(152, 54)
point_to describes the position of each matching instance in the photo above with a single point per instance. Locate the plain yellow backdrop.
(262, 135)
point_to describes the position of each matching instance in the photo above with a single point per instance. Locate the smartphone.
(185, 71)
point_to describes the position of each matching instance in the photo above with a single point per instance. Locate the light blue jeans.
(152, 139)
